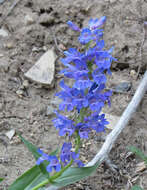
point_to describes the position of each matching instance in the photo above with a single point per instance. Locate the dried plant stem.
(112, 137)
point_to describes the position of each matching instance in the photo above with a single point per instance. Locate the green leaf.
(29, 179)
(136, 187)
(74, 174)
(36, 175)
(139, 153)
(33, 149)
(1, 179)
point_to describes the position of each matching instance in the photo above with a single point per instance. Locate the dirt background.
(23, 46)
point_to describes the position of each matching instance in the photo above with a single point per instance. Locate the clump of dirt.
(32, 26)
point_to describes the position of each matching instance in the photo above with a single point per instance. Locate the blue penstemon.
(87, 67)
(87, 96)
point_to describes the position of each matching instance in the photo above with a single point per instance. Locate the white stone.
(10, 134)
(44, 69)
(28, 20)
(3, 33)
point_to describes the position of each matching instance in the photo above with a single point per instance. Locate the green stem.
(60, 173)
(77, 142)
(45, 182)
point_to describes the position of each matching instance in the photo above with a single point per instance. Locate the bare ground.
(27, 42)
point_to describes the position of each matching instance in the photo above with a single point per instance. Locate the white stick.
(112, 137)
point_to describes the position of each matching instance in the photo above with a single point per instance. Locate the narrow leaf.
(74, 174)
(33, 149)
(28, 180)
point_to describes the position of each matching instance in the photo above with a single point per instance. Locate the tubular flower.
(73, 26)
(72, 97)
(97, 122)
(64, 125)
(52, 159)
(67, 155)
(96, 23)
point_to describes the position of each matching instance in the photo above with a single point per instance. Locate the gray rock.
(44, 69)
(123, 87)
(46, 19)
(3, 33)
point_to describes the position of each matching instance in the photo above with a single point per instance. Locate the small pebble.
(35, 49)
(28, 20)
(20, 93)
(9, 45)
(133, 73)
(44, 48)
(25, 83)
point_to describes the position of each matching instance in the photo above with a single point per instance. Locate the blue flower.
(73, 26)
(86, 36)
(42, 158)
(100, 45)
(67, 96)
(97, 98)
(83, 130)
(97, 35)
(72, 97)
(96, 23)
(54, 164)
(95, 104)
(97, 122)
(64, 125)
(99, 77)
(71, 55)
(67, 155)
(52, 159)
(83, 81)
(79, 73)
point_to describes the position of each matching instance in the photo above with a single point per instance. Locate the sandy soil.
(26, 42)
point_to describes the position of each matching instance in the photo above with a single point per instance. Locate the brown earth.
(23, 46)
